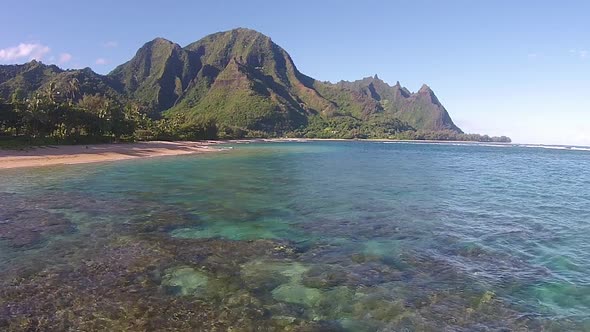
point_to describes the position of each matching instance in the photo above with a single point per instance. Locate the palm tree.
(51, 91)
(74, 88)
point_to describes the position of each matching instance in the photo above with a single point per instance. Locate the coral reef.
(72, 268)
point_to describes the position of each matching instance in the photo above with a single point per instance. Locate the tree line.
(382, 128)
(52, 117)
(449, 135)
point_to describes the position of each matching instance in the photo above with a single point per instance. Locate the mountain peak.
(249, 32)
(246, 30)
(425, 88)
(249, 47)
(235, 34)
(161, 40)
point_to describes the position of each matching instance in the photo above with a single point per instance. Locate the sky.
(515, 68)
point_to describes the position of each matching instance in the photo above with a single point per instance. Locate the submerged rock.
(377, 307)
(335, 303)
(283, 278)
(184, 280)
(260, 276)
(324, 276)
(296, 293)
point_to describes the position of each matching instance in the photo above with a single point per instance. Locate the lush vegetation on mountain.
(231, 84)
(50, 118)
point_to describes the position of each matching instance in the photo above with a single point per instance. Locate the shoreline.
(53, 155)
(254, 140)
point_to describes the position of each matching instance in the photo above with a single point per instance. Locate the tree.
(98, 117)
(74, 89)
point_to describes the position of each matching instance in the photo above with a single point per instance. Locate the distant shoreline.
(548, 146)
(82, 154)
(51, 155)
(252, 140)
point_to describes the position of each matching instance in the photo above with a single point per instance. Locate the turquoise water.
(308, 236)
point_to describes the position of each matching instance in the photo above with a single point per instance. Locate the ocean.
(319, 235)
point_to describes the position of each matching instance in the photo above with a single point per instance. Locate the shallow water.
(302, 236)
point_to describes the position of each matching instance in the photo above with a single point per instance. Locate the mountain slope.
(25, 78)
(35, 77)
(158, 74)
(247, 81)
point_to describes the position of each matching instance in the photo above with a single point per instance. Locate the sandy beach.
(81, 154)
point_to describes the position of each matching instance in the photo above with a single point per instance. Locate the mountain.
(34, 76)
(28, 77)
(241, 79)
(421, 110)
(157, 74)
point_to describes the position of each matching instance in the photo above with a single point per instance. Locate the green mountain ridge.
(241, 80)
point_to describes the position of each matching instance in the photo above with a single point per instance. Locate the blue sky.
(516, 68)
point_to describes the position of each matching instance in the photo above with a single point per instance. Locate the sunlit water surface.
(302, 236)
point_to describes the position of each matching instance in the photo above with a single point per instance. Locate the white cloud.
(101, 61)
(533, 55)
(580, 53)
(110, 44)
(28, 51)
(65, 58)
